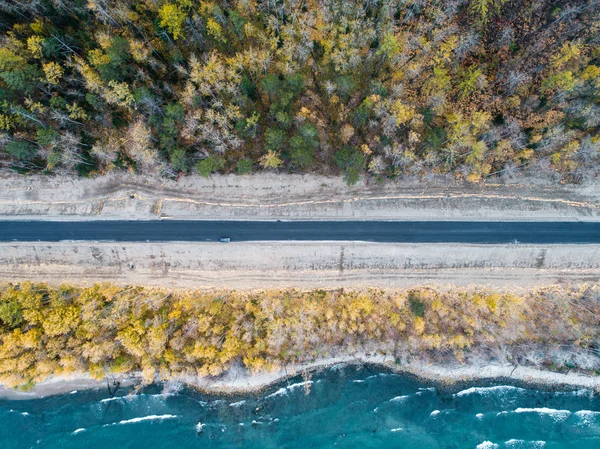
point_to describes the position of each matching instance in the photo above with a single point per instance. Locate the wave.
(115, 398)
(132, 397)
(395, 399)
(583, 392)
(434, 413)
(374, 376)
(487, 445)
(488, 390)
(479, 416)
(338, 366)
(587, 416)
(237, 404)
(215, 403)
(557, 415)
(76, 431)
(199, 428)
(525, 444)
(543, 411)
(280, 392)
(285, 390)
(147, 418)
(397, 429)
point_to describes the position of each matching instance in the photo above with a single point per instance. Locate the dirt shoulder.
(267, 196)
(259, 265)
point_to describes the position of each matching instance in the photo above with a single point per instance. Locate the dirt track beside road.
(268, 196)
(302, 265)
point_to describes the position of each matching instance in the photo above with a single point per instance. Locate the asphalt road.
(373, 231)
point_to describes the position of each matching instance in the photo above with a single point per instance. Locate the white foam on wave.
(199, 427)
(400, 398)
(147, 418)
(374, 376)
(487, 445)
(285, 390)
(358, 381)
(434, 413)
(25, 414)
(580, 393)
(76, 431)
(237, 404)
(133, 397)
(397, 429)
(587, 416)
(73, 392)
(479, 416)
(488, 390)
(338, 367)
(512, 443)
(557, 415)
(279, 392)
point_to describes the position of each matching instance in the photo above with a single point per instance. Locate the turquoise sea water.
(343, 407)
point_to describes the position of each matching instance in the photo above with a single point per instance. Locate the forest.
(108, 329)
(380, 88)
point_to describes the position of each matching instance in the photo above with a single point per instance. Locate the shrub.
(352, 162)
(243, 166)
(209, 165)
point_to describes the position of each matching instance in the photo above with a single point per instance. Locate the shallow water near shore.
(345, 406)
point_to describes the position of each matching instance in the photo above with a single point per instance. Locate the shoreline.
(238, 381)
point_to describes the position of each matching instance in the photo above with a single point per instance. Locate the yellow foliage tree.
(172, 18)
(53, 72)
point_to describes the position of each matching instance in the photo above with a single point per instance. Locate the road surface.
(372, 231)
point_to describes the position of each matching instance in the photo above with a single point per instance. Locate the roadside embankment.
(251, 265)
(269, 196)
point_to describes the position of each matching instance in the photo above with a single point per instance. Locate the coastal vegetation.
(106, 329)
(477, 88)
